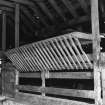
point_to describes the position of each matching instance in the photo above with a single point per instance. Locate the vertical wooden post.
(3, 31)
(17, 20)
(17, 25)
(43, 82)
(96, 51)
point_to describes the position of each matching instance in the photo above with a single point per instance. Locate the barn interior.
(28, 23)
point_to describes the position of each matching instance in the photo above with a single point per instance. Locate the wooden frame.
(95, 38)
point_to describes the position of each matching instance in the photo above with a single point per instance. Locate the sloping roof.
(38, 18)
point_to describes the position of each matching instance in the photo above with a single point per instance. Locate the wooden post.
(43, 82)
(103, 76)
(3, 31)
(17, 25)
(96, 51)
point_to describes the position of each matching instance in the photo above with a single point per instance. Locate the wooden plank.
(43, 82)
(60, 75)
(59, 91)
(103, 76)
(30, 99)
(70, 92)
(96, 51)
(17, 25)
(4, 31)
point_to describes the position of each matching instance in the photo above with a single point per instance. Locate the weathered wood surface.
(8, 80)
(102, 64)
(58, 91)
(63, 75)
(29, 99)
(96, 50)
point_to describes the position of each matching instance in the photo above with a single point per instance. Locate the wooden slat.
(59, 91)
(40, 100)
(96, 51)
(60, 75)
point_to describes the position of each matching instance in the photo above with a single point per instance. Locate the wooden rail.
(62, 75)
(58, 91)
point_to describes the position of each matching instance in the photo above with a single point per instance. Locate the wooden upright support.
(17, 25)
(3, 31)
(96, 51)
(43, 82)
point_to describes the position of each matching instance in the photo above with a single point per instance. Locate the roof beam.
(29, 16)
(32, 6)
(70, 8)
(58, 10)
(45, 10)
(38, 14)
(84, 5)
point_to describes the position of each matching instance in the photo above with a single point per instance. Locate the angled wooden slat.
(55, 56)
(70, 8)
(66, 50)
(22, 59)
(63, 54)
(77, 51)
(73, 53)
(56, 7)
(59, 55)
(29, 59)
(44, 58)
(39, 58)
(47, 57)
(52, 57)
(78, 43)
(36, 60)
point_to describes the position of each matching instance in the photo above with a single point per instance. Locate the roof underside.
(40, 19)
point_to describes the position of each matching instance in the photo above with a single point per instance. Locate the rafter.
(58, 10)
(70, 8)
(84, 5)
(29, 16)
(33, 7)
(22, 27)
(45, 10)
(38, 14)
